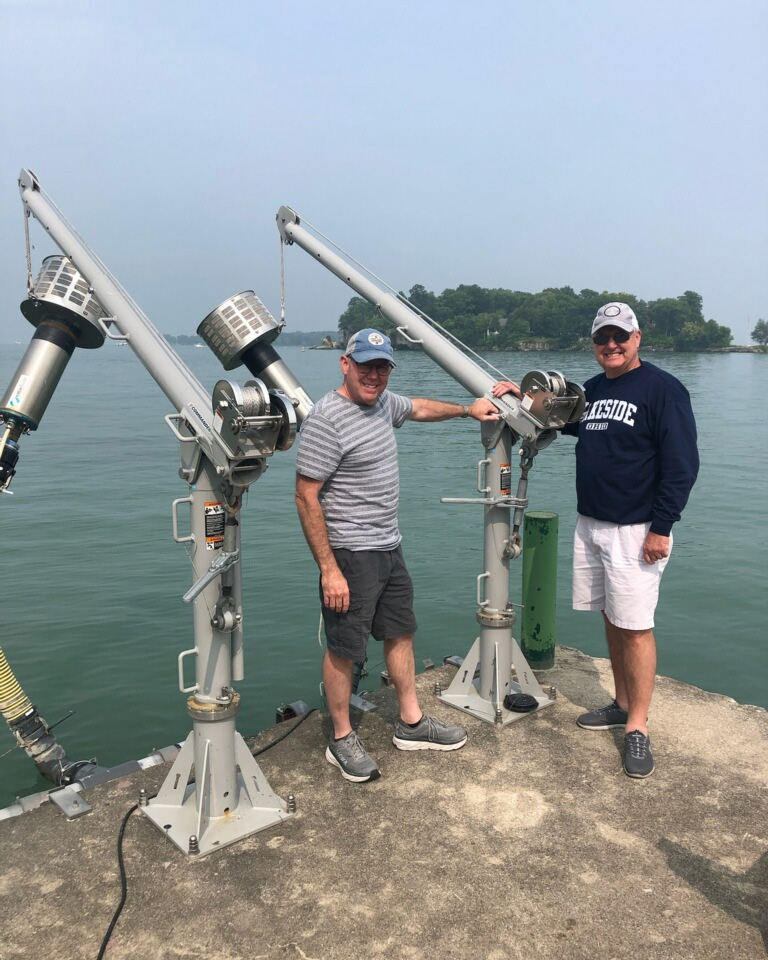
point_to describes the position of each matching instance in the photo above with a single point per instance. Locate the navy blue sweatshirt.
(636, 456)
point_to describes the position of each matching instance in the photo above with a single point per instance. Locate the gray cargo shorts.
(380, 602)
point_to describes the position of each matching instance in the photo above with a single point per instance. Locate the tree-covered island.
(557, 318)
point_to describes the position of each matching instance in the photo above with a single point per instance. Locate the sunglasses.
(620, 336)
(383, 369)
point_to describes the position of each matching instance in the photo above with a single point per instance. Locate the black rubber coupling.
(520, 702)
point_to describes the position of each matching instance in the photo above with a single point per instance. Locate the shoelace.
(431, 728)
(638, 744)
(434, 727)
(604, 711)
(355, 747)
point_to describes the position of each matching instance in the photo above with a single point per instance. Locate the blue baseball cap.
(369, 344)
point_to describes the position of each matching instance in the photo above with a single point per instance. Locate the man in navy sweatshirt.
(636, 462)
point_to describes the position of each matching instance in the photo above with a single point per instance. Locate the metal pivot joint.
(220, 564)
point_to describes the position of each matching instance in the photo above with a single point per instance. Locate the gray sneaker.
(638, 757)
(351, 757)
(606, 718)
(428, 734)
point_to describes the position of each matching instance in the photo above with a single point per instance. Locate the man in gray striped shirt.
(346, 494)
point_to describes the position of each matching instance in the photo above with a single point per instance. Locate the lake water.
(92, 618)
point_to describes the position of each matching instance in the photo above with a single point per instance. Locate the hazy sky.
(517, 144)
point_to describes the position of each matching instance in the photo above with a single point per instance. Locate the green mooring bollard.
(539, 589)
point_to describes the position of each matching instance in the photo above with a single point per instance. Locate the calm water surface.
(92, 618)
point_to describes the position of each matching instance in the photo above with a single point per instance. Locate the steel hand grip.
(175, 520)
(482, 476)
(481, 601)
(186, 653)
(169, 418)
(106, 324)
(403, 331)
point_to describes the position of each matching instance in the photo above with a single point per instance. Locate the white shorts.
(610, 574)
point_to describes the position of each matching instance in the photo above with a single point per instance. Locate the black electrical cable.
(123, 883)
(287, 733)
(121, 864)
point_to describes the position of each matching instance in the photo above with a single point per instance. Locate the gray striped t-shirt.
(352, 448)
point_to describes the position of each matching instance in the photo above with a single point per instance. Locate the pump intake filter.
(240, 331)
(235, 325)
(65, 313)
(60, 294)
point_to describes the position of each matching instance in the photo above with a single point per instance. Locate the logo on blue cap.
(369, 344)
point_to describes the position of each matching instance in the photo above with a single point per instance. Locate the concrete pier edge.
(528, 842)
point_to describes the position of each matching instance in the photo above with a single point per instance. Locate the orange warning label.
(214, 525)
(505, 482)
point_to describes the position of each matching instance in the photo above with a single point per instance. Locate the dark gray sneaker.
(638, 757)
(606, 718)
(428, 734)
(351, 757)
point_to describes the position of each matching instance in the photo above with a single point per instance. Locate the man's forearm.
(430, 411)
(333, 583)
(316, 533)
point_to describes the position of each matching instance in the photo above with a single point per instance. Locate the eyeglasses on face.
(618, 336)
(382, 369)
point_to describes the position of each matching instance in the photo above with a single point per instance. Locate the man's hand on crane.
(506, 386)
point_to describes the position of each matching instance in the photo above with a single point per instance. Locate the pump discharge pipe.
(34, 735)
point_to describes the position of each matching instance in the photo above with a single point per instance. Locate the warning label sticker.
(214, 525)
(506, 479)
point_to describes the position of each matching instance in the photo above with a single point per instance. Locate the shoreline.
(540, 347)
(532, 347)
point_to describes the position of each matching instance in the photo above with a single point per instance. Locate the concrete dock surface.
(528, 842)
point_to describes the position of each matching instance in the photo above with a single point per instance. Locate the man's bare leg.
(337, 679)
(633, 660)
(401, 666)
(613, 637)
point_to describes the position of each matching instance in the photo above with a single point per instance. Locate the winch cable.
(403, 299)
(282, 283)
(121, 834)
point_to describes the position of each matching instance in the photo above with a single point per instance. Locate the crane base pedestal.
(464, 695)
(180, 813)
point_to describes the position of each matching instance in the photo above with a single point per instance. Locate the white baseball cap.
(615, 314)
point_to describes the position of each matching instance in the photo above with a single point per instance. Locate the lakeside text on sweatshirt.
(636, 455)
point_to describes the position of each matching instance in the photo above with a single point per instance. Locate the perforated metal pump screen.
(235, 324)
(58, 282)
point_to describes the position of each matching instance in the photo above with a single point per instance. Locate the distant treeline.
(183, 339)
(305, 338)
(556, 318)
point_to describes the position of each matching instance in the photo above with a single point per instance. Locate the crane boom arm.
(414, 328)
